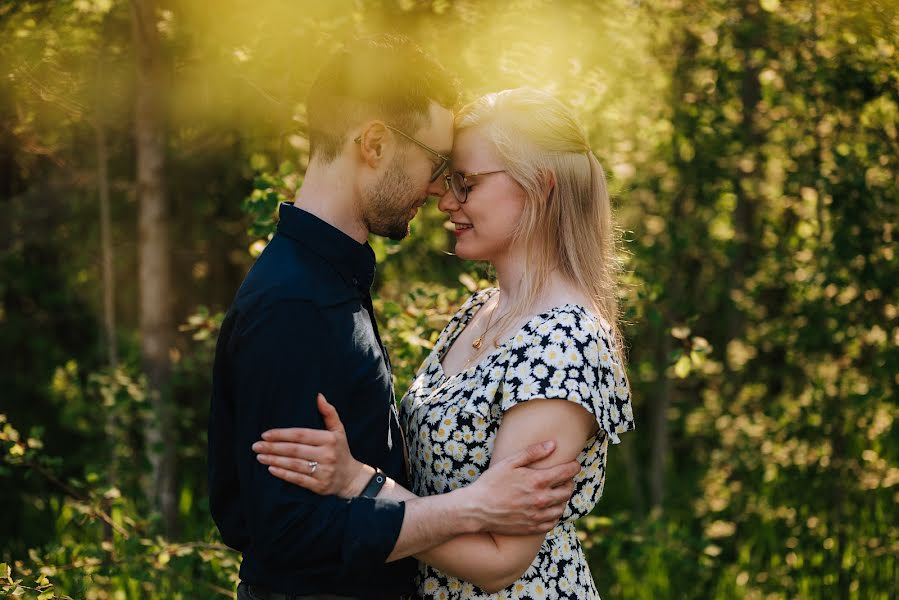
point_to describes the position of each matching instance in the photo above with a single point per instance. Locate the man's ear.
(372, 142)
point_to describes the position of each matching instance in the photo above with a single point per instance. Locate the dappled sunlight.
(752, 154)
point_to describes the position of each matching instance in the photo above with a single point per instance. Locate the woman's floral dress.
(451, 422)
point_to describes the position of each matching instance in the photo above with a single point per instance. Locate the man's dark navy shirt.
(302, 323)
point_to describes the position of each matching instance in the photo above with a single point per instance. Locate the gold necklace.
(480, 340)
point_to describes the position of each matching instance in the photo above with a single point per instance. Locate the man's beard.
(386, 206)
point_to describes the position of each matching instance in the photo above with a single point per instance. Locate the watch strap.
(374, 484)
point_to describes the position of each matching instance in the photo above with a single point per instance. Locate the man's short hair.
(385, 77)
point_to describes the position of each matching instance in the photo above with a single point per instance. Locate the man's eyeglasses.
(444, 160)
(458, 182)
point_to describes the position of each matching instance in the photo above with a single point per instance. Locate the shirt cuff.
(372, 529)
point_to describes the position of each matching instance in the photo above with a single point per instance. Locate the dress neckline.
(488, 358)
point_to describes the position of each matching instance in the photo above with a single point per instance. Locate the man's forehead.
(440, 129)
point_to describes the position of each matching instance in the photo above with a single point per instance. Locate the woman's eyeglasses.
(457, 181)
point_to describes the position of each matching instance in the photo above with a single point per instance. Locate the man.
(302, 322)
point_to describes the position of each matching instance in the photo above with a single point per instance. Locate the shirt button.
(355, 281)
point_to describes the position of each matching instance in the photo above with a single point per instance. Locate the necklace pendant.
(476, 344)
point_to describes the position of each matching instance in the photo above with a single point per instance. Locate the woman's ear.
(549, 184)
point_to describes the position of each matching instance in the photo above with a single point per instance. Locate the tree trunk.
(107, 259)
(108, 287)
(748, 41)
(154, 269)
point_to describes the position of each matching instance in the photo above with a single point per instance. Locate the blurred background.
(752, 147)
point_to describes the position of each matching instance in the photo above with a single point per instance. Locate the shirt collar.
(354, 261)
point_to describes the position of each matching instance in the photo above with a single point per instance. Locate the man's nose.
(447, 202)
(437, 187)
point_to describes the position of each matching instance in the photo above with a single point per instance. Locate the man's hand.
(512, 498)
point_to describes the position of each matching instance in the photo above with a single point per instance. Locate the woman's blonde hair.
(567, 218)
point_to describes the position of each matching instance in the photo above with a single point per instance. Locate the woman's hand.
(315, 459)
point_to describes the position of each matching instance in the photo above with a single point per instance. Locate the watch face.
(374, 484)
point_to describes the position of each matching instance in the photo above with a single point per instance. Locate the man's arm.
(509, 498)
(512, 498)
(275, 374)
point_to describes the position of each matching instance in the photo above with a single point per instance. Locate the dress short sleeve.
(569, 354)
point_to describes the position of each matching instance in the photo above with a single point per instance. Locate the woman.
(536, 358)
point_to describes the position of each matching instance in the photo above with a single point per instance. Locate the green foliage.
(107, 541)
(411, 321)
(270, 189)
(752, 148)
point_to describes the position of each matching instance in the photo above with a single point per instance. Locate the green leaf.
(680, 332)
(683, 366)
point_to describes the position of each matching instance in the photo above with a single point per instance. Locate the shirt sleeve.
(570, 356)
(281, 358)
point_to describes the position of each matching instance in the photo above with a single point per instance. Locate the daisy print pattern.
(451, 423)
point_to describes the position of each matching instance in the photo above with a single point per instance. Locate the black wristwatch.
(374, 484)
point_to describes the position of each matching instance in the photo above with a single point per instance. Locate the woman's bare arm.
(430, 531)
(511, 497)
(493, 561)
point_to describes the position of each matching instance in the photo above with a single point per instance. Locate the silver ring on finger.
(313, 465)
